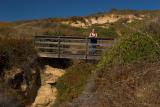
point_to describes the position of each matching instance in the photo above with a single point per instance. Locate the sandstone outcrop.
(47, 93)
(105, 19)
(21, 82)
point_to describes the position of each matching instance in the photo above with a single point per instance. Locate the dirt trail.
(47, 93)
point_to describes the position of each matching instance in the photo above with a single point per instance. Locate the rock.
(22, 82)
(46, 96)
(101, 20)
(11, 74)
(54, 71)
(14, 77)
(47, 93)
(51, 75)
(23, 87)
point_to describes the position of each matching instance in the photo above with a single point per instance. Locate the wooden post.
(34, 44)
(86, 53)
(59, 47)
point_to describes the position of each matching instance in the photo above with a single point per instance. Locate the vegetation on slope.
(14, 52)
(5, 24)
(135, 46)
(66, 30)
(17, 64)
(132, 48)
(125, 64)
(72, 83)
(128, 75)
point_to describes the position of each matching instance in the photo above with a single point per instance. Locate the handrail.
(72, 37)
(55, 45)
(59, 46)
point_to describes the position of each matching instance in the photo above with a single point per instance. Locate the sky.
(14, 10)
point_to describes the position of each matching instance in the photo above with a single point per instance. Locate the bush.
(72, 83)
(18, 53)
(153, 28)
(128, 75)
(130, 49)
(104, 32)
(15, 52)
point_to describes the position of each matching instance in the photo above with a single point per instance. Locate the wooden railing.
(70, 47)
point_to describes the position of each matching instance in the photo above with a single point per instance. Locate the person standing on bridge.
(93, 41)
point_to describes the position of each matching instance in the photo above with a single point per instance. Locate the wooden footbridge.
(70, 47)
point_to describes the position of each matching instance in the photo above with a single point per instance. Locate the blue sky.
(12, 10)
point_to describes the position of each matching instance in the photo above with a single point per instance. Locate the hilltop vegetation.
(108, 23)
(19, 72)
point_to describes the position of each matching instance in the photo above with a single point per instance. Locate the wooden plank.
(48, 51)
(72, 40)
(47, 55)
(47, 48)
(45, 36)
(56, 43)
(69, 49)
(44, 42)
(56, 39)
(70, 54)
(73, 44)
(42, 38)
(75, 49)
(102, 45)
(70, 37)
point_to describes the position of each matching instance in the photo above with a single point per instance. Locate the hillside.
(107, 24)
(127, 75)
(102, 20)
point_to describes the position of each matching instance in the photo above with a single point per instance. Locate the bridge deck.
(74, 56)
(70, 47)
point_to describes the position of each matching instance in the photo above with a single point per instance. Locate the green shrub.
(131, 48)
(128, 74)
(48, 33)
(15, 52)
(104, 32)
(152, 28)
(72, 83)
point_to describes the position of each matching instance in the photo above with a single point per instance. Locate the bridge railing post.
(59, 46)
(86, 53)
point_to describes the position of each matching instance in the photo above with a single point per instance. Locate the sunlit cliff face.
(105, 19)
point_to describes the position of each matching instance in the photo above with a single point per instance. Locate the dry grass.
(73, 82)
(19, 53)
(134, 85)
(14, 51)
(128, 75)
